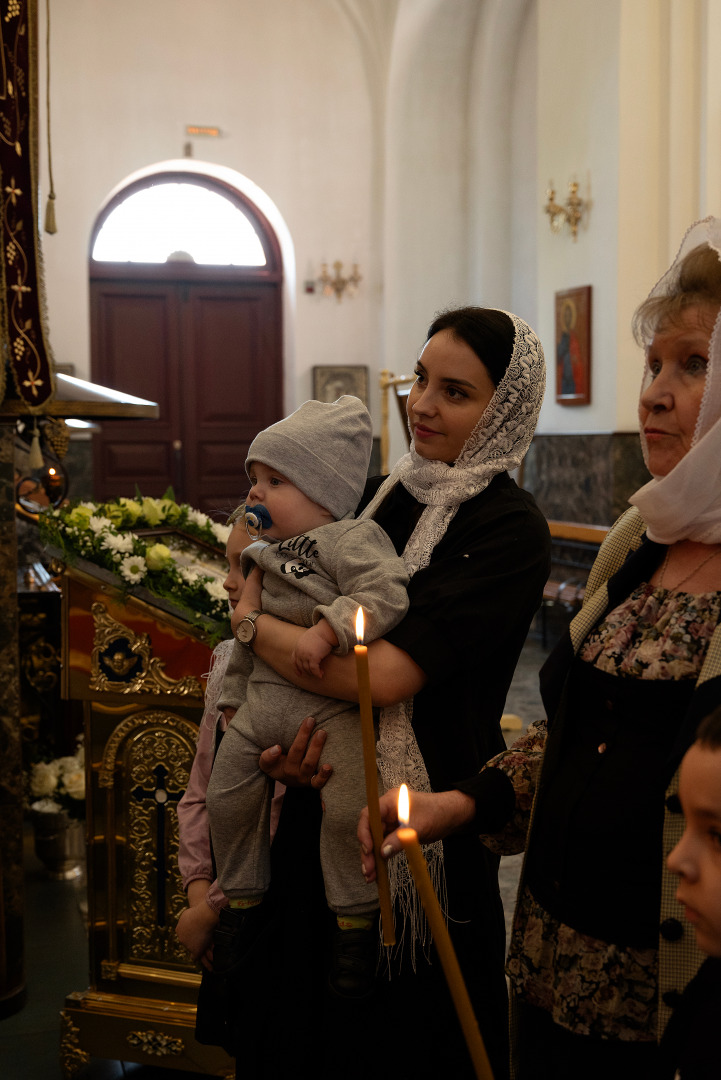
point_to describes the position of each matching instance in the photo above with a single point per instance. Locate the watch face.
(245, 632)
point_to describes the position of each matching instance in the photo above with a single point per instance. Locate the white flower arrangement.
(59, 784)
(104, 534)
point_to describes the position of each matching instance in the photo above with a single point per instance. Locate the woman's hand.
(250, 597)
(299, 767)
(197, 923)
(433, 815)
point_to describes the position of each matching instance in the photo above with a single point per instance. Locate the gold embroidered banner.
(21, 290)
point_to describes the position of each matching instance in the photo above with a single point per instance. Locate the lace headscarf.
(686, 503)
(498, 443)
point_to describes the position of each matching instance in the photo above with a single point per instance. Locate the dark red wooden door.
(208, 349)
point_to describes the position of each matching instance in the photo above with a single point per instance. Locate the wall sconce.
(336, 285)
(572, 212)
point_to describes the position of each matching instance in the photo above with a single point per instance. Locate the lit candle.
(371, 773)
(444, 946)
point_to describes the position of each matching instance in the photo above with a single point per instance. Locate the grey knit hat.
(323, 448)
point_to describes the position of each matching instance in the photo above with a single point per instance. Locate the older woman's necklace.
(695, 570)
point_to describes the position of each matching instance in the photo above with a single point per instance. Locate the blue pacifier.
(257, 520)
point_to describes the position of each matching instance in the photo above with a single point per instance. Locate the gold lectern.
(129, 660)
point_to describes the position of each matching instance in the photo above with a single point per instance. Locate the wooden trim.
(573, 530)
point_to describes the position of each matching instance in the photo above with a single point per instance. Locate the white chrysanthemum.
(133, 568)
(117, 543)
(220, 532)
(216, 590)
(197, 517)
(191, 576)
(98, 524)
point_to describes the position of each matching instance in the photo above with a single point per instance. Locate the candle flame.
(404, 809)
(359, 626)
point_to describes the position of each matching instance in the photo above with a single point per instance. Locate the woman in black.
(476, 549)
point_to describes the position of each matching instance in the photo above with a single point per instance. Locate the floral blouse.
(590, 986)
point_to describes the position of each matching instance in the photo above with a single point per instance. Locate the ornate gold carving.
(155, 1043)
(147, 762)
(118, 651)
(40, 663)
(57, 434)
(72, 1057)
(109, 969)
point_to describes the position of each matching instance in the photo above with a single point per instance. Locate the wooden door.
(208, 349)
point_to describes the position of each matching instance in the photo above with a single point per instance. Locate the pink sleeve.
(194, 859)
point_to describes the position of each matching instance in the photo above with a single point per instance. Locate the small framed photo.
(331, 382)
(573, 346)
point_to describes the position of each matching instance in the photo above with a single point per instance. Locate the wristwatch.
(245, 631)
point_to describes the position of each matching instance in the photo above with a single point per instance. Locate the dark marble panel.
(585, 478)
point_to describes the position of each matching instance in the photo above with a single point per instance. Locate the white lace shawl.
(497, 444)
(686, 503)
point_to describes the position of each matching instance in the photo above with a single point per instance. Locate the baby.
(319, 565)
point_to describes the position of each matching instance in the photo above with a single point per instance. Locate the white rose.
(46, 806)
(67, 764)
(44, 778)
(74, 784)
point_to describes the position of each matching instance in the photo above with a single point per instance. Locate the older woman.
(599, 954)
(476, 549)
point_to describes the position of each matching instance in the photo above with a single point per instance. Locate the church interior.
(395, 158)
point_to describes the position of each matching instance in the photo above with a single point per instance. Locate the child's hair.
(236, 515)
(709, 730)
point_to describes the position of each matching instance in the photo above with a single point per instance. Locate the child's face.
(233, 584)
(697, 856)
(291, 511)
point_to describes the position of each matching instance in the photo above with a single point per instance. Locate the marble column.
(12, 974)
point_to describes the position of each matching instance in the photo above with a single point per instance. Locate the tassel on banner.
(50, 225)
(35, 457)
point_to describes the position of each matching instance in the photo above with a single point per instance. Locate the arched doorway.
(194, 326)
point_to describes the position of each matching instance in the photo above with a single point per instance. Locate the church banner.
(22, 325)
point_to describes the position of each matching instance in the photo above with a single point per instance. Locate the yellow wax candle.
(444, 946)
(369, 759)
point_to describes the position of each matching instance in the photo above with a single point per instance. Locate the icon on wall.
(573, 346)
(330, 382)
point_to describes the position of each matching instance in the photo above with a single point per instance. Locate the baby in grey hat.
(319, 565)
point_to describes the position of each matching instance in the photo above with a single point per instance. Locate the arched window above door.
(172, 221)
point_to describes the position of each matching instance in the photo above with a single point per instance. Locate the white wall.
(578, 111)
(284, 82)
(416, 137)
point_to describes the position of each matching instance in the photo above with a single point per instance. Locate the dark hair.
(490, 333)
(709, 730)
(697, 281)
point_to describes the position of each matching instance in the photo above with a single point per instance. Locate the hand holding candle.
(441, 938)
(369, 759)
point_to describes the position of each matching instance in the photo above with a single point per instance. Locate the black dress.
(469, 614)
